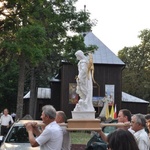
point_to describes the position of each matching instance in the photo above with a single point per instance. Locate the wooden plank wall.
(136, 107)
(104, 74)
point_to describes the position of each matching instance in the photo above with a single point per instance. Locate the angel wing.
(91, 67)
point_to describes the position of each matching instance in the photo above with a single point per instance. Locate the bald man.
(61, 119)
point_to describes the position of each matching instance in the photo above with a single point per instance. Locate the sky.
(119, 22)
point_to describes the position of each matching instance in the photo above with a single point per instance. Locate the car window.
(109, 129)
(17, 134)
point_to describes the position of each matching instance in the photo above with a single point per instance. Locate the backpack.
(96, 143)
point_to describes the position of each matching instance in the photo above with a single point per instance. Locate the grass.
(80, 137)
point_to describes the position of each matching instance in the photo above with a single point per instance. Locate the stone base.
(93, 124)
(83, 115)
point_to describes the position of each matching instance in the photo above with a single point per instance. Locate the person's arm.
(36, 130)
(11, 119)
(102, 135)
(32, 140)
(10, 122)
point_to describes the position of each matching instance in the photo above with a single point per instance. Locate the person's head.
(138, 122)
(124, 115)
(48, 114)
(60, 117)
(147, 117)
(5, 111)
(121, 140)
(80, 55)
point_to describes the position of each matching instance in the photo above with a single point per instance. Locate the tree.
(136, 75)
(35, 30)
(8, 84)
(31, 40)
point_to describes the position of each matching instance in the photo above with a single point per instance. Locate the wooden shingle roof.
(103, 55)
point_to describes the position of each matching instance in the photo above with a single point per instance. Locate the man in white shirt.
(138, 124)
(61, 119)
(6, 122)
(51, 137)
(124, 116)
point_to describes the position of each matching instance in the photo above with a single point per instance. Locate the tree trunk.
(33, 95)
(19, 111)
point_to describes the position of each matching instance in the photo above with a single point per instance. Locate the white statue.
(84, 83)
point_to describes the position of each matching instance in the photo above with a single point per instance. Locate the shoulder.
(83, 61)
(142, 134)
(53, 126)
(54, 129)
(9, 116)
(64, 129)
(5, 116)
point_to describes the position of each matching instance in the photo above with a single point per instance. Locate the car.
(17, 137)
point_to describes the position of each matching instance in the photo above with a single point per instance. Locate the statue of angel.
(84, 79)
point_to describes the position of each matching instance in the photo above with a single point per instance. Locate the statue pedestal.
(83, 115)
(78, 124)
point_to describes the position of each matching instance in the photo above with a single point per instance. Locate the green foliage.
(73, 44)
(80, 137)
(31, 40)
(36, 32)
(8, 85)
(136, 75)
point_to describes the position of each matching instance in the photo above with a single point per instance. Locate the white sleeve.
(11, 119)
(43, 137)
(143, 145)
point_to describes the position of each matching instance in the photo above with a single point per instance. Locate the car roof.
(23, 122)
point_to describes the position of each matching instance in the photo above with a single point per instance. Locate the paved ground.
(78, 147)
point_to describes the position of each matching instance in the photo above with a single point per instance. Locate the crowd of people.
(54, 136)
(135, 135)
